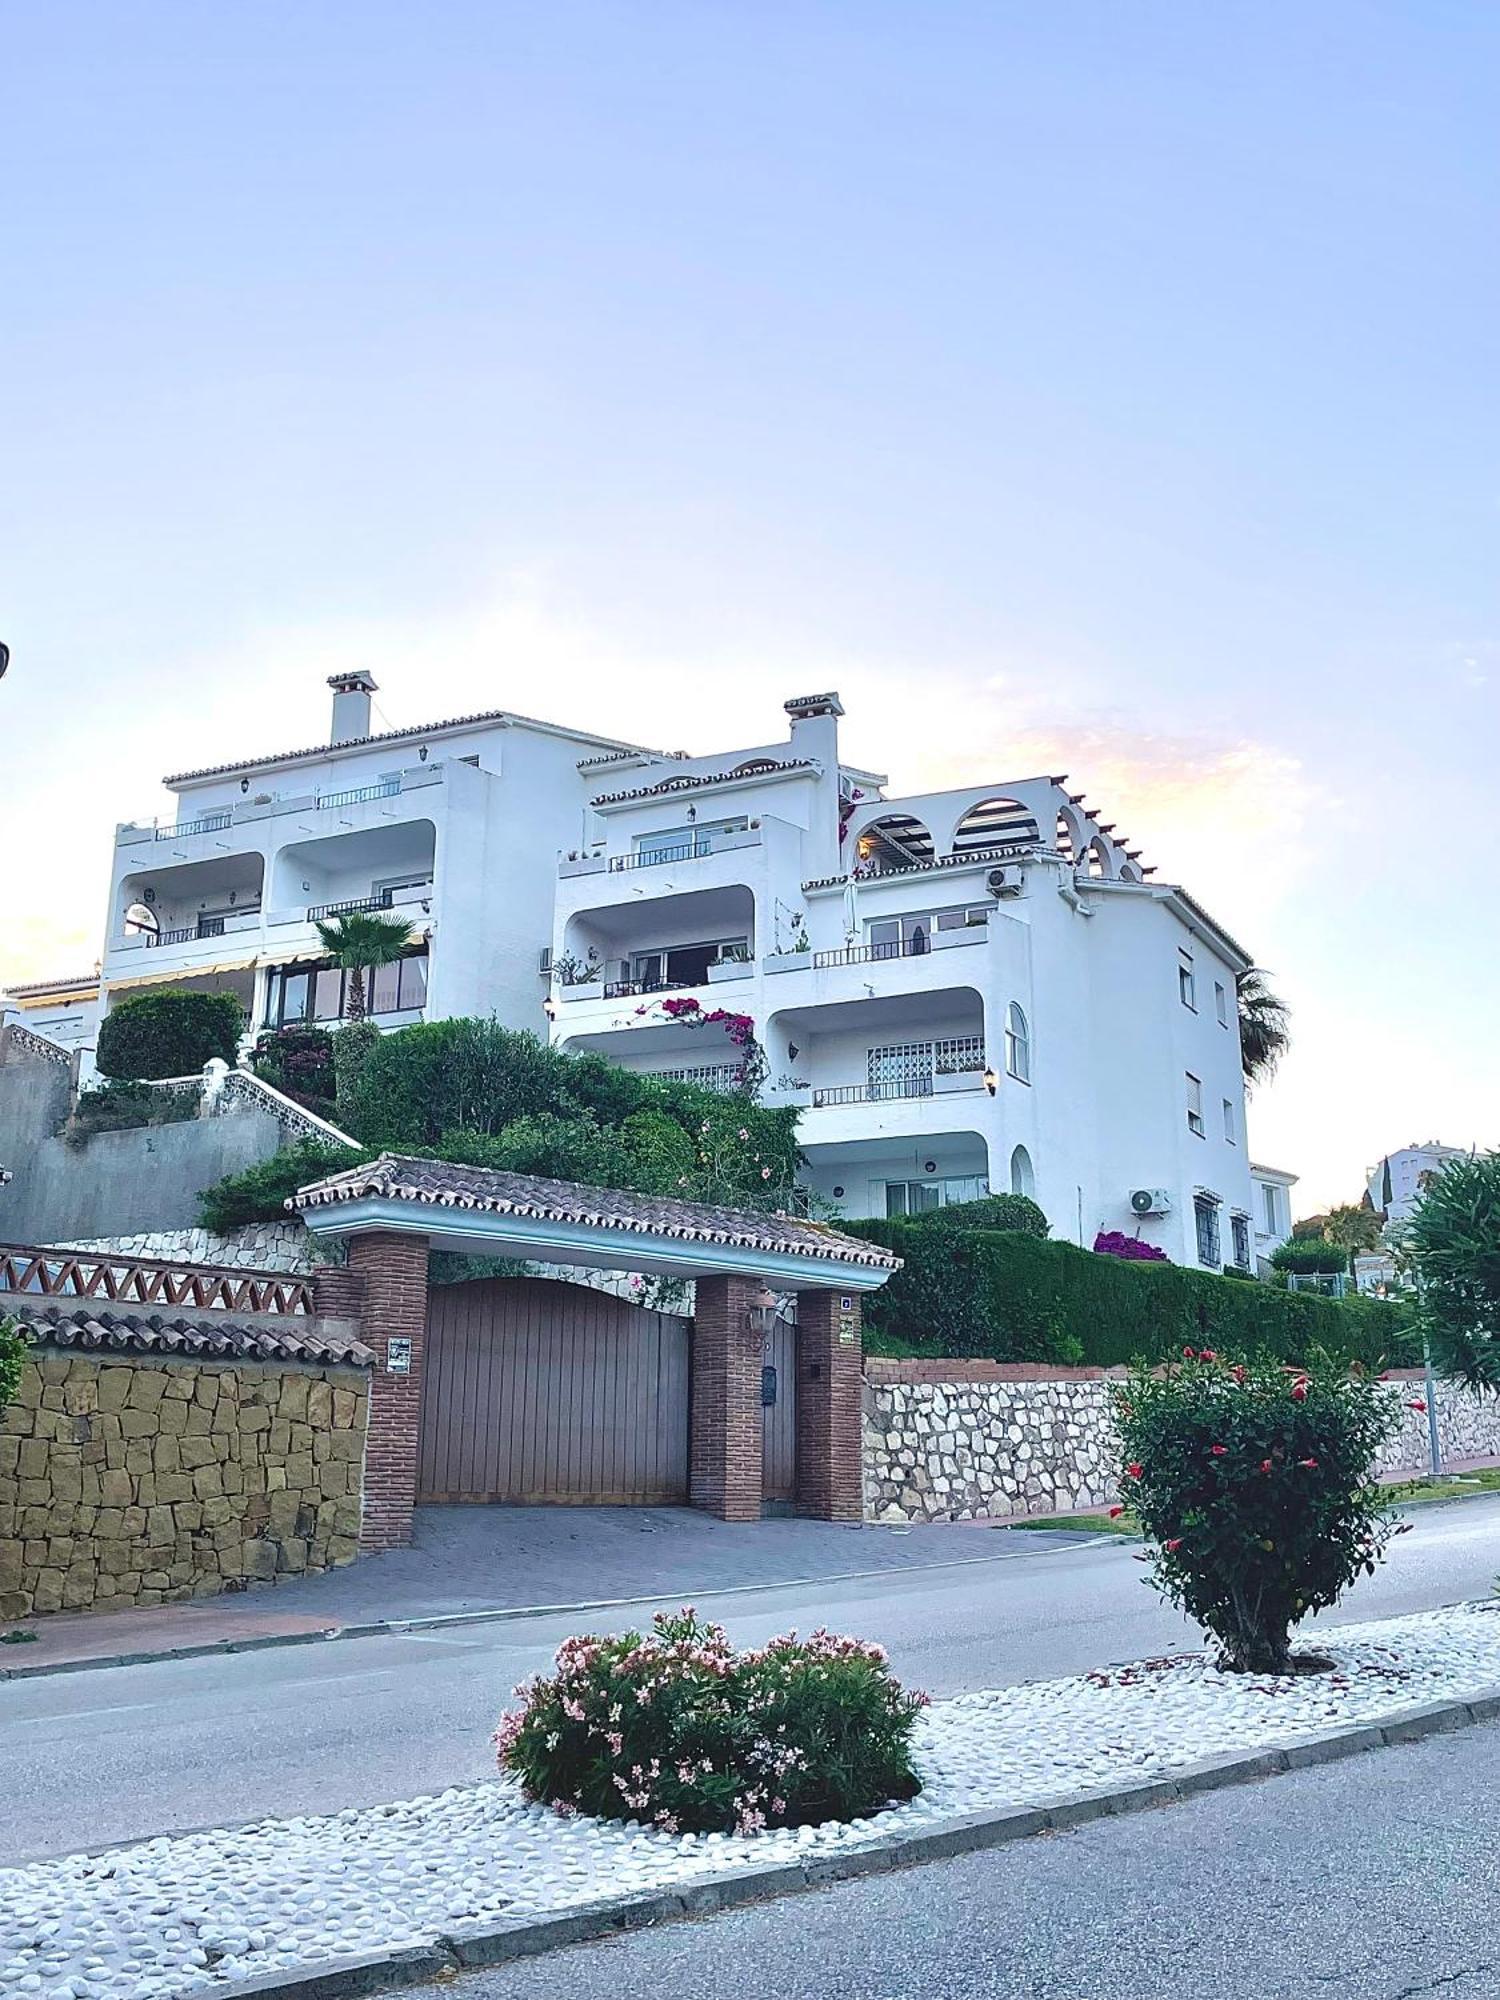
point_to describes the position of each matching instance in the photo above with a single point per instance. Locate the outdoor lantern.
(763, 1311)
(991, 1081)
(549, 1007)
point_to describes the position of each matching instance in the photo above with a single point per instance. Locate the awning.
(183, 973)
(54, 999)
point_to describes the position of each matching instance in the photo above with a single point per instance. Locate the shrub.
(1254, 1484)
(1454, 1242)
(299, 1061)
(169, 1034)
(124, 1105)
(259, 1194)
(1016, 1212)
(1134, 1249)
(1307, 1254)
(12, 1360)
(1010, 1297)
(351, 1051)
(676, 1729)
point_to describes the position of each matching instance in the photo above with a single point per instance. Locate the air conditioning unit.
(1004, 882)
(544, 961)
(1150, 1201)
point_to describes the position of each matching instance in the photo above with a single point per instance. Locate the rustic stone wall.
(973, 1440)
(129, 1480)
(259, 1246)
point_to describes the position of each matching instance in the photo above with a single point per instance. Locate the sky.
(1101, 388)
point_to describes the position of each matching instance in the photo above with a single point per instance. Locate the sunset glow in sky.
(1094, 388)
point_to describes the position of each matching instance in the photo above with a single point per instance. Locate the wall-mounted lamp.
(422, 753)
(991, 1081)
(692, 812)
(763, 1311)
(244, 784)
(792, 1051)
(929, 1166)
(549, 1008)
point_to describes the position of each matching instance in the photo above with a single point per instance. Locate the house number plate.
(398, 1356)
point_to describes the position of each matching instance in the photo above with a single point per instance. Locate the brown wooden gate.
(538, 1391)
(779, 1416)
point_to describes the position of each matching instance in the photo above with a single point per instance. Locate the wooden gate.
(778, 1410)
(537, 1391)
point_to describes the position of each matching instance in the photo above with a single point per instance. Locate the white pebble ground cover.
(198, 1912)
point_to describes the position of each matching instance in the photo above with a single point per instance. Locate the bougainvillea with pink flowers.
(1255, 1483)
(687, 1012)
(1115, 1243)
(676, 1729)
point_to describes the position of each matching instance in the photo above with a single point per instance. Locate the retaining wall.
(259, 1246)
(134, 1481)
(974, 1440)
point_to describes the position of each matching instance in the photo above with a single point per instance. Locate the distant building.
(1273, 1208)
(1395, 1183)
(65, 1011)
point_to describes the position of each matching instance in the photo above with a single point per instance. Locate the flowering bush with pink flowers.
(1134, 1249)
(1253, 1480)
(678, 1730)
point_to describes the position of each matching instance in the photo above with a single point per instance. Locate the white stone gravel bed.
(190, 1913)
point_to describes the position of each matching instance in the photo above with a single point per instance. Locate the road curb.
(500, 1943)
(380, 1628)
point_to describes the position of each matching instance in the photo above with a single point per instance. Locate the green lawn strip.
(1462, 1486)
(1081, 1524)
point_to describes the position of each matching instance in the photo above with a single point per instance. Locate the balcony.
(250, 811)
(647, 854)
(205, 927)
(410, 896)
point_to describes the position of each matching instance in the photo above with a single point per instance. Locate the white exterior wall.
(1093, 963)
(1408, 1165)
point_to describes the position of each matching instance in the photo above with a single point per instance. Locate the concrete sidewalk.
(469, 1561)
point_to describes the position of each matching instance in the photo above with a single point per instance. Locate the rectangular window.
(328, 993)
(1187, 991)
(321, 993)
(1239, 1228)
(1272, 1206)
(902, 1069)
(1229, 1121)
(1221, 1004)
(686, 843)
(918, 1197)
(1194, 1104)
(383, 988)
(1206, 1222)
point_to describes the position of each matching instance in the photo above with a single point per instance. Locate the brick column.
(725, 1445)
(830, 1407)
(391, 1268)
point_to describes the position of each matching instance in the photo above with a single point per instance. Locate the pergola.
(392, 1211)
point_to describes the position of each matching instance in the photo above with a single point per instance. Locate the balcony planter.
(788, 961)
(586, 989)
(729, 968)
(584, 864)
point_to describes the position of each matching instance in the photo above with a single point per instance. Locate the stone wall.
(259, 1246)
(974, 1440)
(136, 1480)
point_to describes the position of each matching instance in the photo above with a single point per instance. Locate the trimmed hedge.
(990, 1211)
(987, 1295)
(169, 1034)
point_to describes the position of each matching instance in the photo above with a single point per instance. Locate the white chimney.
(351, 705)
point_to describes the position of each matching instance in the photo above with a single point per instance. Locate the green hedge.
(983, 1294)
(169, 1034)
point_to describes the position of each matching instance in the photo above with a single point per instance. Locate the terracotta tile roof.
(753, 767)
(316, 750)
(211, 1338)
(443, 1185)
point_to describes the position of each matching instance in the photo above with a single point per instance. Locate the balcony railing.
(206, 927)
(205, 823)
(874, 1093)
(388, 788)
(627, 989)
(353, 906)
(656, 857)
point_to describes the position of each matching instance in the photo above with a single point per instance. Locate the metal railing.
(874, 1093)
(654, 857)
(206, 927)
(627, 989)
(355, 906)
(206, 823)
(386, 789)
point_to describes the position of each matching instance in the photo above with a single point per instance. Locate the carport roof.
(592, 1218)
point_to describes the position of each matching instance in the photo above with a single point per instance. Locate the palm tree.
(1264, 1034)
(359, 942)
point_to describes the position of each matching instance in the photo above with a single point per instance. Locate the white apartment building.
(962, 991)
(1395, 1183)
(1273, 1208)
(65, 1011)
(454, 826)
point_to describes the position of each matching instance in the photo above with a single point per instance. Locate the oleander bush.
(677, 1730)
(1253, 1483)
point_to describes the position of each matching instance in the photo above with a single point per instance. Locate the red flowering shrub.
(1254, 1483)
(676, 1729)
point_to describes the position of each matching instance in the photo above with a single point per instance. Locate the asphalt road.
(126, 1752)
(1374, 1879)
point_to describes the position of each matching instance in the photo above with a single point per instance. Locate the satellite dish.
(4, 658)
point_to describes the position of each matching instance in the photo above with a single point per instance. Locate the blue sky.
(1103, 388)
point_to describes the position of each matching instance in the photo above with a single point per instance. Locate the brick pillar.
(725, 1446)
(391, 1269)
(338, 1292)
(830, 1407)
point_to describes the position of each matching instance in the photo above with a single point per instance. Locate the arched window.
(1022, 1176)
(1017, 1044)
(142, 921)
(895, 841)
